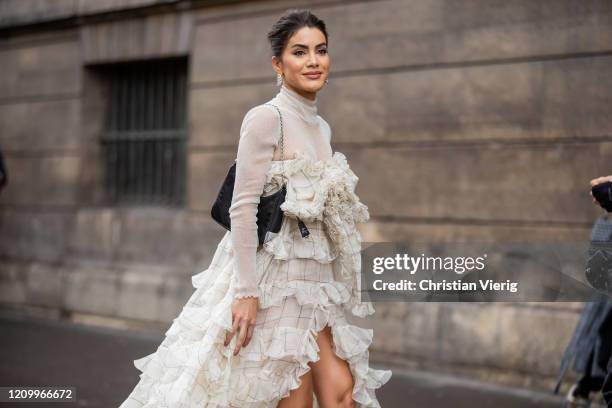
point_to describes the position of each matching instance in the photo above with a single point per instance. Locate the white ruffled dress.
(305, 284)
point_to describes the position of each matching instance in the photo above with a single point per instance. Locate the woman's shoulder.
(261, 120)
(325, 126)
(263, 111)
(260, 117)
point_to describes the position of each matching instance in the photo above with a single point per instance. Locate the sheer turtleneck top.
(304, 131)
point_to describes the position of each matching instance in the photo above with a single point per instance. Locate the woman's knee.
(332, 377)
(337, 392)
(337, 400)
(301, 397)
(345, 398)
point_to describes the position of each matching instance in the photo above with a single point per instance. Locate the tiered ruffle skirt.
(305, 284)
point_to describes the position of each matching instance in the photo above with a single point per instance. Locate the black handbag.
(269, 213)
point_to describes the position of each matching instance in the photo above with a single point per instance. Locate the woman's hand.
(596, 181)
(244, 313)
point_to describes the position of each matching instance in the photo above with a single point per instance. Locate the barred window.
(144, 139)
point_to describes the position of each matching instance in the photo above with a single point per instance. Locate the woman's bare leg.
(301, 397)
(331, 375)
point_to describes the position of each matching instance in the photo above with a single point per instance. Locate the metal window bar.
(145, 132)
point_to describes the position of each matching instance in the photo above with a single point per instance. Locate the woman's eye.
(322, 51)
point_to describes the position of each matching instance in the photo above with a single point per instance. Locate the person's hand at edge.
(597, 181)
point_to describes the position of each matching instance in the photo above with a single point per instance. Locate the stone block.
(216, 114)
(95, 234)
(139, 292)
(532, 340)
(409, 329)
(13, 282)
(44, 285)
(160, 236)
(152, 36)
(18, 12)
(42, 180)
(207, 170)
(33, 235)
(93, 288)
(103, 6)
(480, 184)
(540, 100)
(176, 291)
(36, 126)
(38, 70)
(469, 333)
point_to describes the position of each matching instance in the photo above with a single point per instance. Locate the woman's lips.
(313, 76)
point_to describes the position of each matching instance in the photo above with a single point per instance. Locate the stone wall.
(502, 106)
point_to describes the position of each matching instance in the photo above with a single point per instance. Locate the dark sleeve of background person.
(606, 390)
(606, 338)
(3, 173)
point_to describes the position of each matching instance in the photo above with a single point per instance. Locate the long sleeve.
(259, 134)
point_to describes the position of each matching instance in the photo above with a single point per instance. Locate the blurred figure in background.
(607, 384)
(591, 345)
(3, 174)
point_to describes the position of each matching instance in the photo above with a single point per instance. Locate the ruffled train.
(304, 286)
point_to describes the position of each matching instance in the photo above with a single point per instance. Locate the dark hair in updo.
(289, 24)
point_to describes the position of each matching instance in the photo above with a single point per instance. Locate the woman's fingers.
(249, 336)
(230, 334)
(241, 336)
(244, 317)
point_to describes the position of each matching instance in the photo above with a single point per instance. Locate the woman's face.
(306, 52)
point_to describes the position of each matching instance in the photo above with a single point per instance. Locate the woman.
(267, 324)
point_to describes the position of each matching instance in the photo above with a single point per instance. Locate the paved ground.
(98, 362)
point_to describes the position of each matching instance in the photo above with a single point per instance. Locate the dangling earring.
(279, 79)
(326, 80)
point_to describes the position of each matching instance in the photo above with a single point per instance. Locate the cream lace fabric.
(303, 283)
